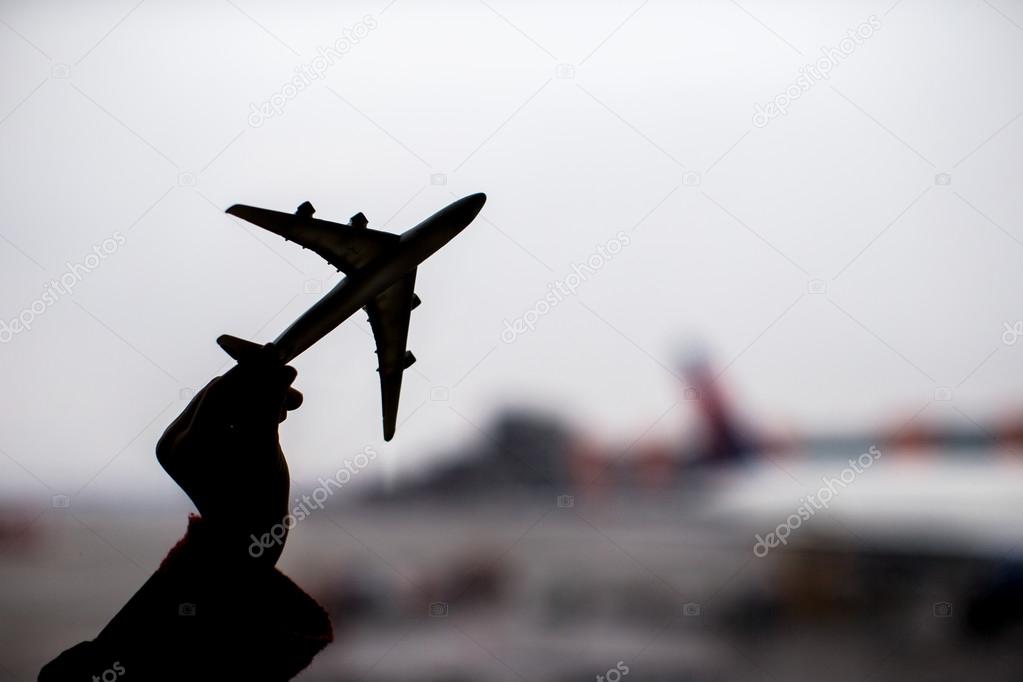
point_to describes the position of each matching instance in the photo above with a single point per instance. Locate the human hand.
(224, 452)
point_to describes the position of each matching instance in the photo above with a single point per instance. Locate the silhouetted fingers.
(258, 389)
(292, 397)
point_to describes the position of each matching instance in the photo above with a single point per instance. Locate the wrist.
(224, 547)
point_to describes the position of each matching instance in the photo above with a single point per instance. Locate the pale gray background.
(108, 113)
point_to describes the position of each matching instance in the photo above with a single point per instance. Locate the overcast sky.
(844, 253)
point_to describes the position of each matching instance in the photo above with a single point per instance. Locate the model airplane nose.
(467, 208)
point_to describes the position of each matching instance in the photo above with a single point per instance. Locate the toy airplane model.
(380, 270)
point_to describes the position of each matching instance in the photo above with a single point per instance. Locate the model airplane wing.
(346, 247)
(389, 315)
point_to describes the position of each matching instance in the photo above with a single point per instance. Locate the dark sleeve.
(202, 616)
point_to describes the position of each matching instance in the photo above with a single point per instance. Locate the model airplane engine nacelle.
(416, 302)
(358, 220)
(409, 359)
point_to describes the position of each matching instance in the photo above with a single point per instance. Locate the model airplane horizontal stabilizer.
(238, 349)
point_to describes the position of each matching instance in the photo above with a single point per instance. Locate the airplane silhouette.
(380, 276)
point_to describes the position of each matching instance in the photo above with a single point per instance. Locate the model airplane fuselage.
(380, 273)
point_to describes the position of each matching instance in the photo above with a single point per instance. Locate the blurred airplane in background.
(936, 485)
(537, 448)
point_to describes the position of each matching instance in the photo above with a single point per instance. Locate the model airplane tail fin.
(239, 349)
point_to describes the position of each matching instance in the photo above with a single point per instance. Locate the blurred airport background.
(724, 383)
(536, 552)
